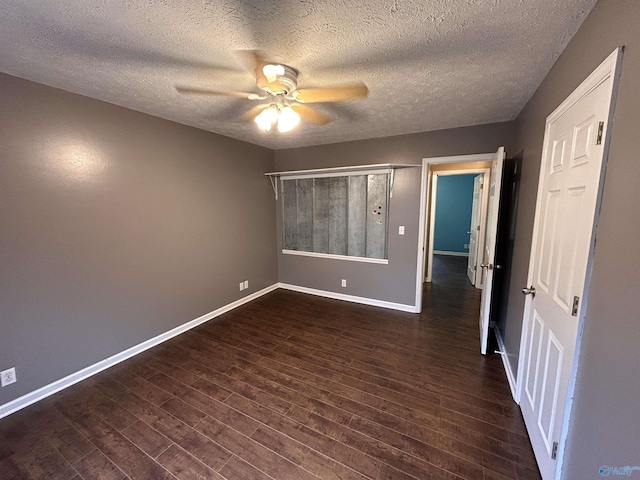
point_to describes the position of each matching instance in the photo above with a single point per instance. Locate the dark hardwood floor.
(291, 386)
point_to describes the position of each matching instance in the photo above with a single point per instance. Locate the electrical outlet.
(466, 245)
(344, 282)
(246, 284)
(8, 376)
(241, 286)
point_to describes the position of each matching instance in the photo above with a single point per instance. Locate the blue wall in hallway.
(453, 212)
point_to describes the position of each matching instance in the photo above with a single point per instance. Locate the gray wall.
(116, 227)
(605, 421)
(395, 282)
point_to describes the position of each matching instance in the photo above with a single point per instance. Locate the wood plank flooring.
(291, 386)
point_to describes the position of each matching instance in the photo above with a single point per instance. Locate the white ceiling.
(429, 65)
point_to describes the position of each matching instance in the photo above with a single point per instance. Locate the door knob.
(529, 291)
(484, 265)
(497, 267)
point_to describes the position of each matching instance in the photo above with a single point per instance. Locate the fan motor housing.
(283, 84)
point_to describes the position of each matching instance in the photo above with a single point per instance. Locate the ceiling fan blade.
(256, 60)
(310, 115)
(207, 91)
(332, 94)
(253, 113)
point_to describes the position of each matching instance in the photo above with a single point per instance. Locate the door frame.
(422, 221)
(432, 206)
(609, 68)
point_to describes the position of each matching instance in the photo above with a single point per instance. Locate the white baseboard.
(452, 254)
(351, 298)
(43, 392)
(507, 366)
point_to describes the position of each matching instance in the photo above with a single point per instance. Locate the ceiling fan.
(284, 104)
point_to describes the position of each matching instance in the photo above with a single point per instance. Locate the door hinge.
(600, 132)
(574, 309)
(554, 451)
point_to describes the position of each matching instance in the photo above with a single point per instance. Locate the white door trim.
(424, 195)
(609, 68)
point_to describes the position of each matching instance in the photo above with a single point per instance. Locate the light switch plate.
(401, 230)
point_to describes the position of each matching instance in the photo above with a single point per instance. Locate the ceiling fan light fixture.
(267, 118)
(272, 72)
(282, 116)
(288, 119)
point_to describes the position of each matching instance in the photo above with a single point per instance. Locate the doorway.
(462, 164)
(425, 253)
(457, 218)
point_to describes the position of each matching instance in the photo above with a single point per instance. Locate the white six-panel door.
(568, 194)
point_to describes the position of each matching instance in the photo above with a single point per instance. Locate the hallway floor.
(291, 386)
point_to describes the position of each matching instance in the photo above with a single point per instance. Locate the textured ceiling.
(429, 65)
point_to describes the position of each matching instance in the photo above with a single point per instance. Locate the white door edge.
(432, 224)
(484, 210)
(490, 246)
